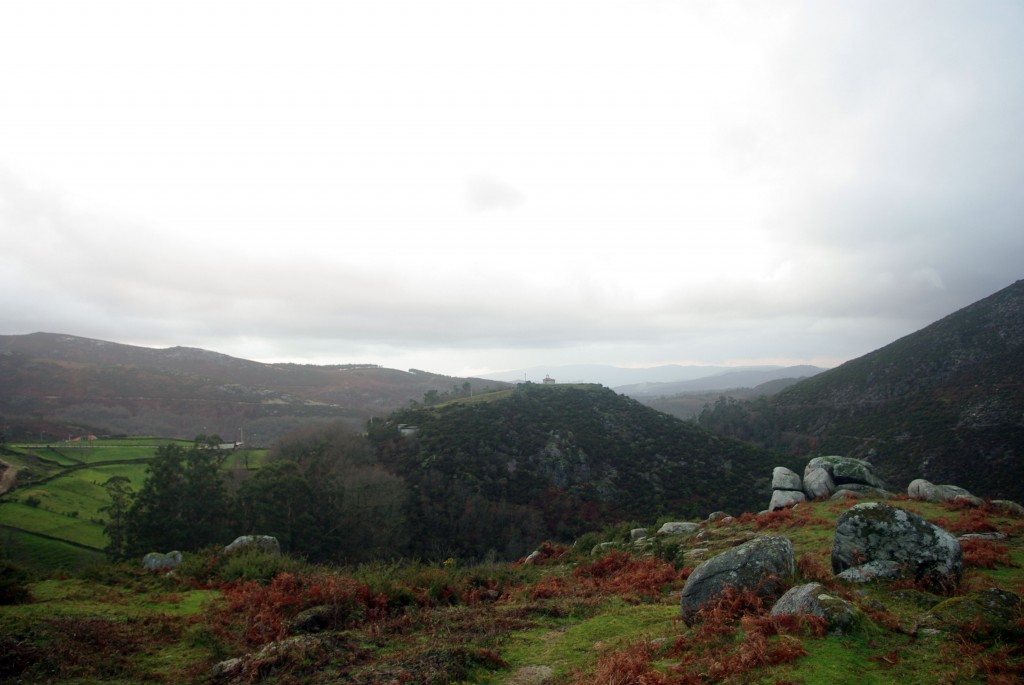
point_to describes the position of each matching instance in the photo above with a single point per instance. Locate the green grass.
(43, 521)
(32, 551)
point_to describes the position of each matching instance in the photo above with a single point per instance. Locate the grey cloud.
(486, 193)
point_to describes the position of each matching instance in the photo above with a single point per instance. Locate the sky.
(475, 186)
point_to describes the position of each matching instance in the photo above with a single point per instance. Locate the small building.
(548, 380)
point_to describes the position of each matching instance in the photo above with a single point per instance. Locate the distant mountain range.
(623, 379)
(945, 403)
(742, 378)
(54, 385)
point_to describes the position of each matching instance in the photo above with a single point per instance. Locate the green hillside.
(551, 461)
(945, 403)
(570, 618)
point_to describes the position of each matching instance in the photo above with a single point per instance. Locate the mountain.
(614, 376)
(945, 403)
(54, 385)
(745, 378)
(500, 471)
(689, 405)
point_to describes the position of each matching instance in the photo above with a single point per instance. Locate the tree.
(120, 492)
(182, 504)
(325, 490)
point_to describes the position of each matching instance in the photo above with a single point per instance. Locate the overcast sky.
(476, 186)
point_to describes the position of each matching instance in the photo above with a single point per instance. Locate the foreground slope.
(539, 461)
(945, 403)
(54, 385)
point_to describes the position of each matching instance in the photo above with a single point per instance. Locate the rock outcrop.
(787, 489)
(811, 599)
(823, 476)
(874, 532)
(762, 564)
(265, 543)
(921, 489)
(992, 612)
(679, 528)
(155, 561)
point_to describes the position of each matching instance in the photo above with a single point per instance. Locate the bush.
(13, 588)
(212, 565)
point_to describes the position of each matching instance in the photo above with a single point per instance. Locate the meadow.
(572, 617)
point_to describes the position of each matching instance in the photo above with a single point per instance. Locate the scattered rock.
(784, 479)
(266, 543)
(920, 489)
(762, 564)
(716, 516)
(678, 528)
(155, 561)
(534, 557)
(637, 534)
(873, 531)
(987, 613)
(782, 499)
(313, 620)
(602, 547)
(1008, 508)
(841, 616)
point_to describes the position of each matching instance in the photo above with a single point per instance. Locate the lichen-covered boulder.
(782, 499)
(784, 479)
(987, 613)
(678, 528)
(763, 565)
(841, 471)
(155, 561)
(921, 489)
(1006, 507)
(841, 616)
(265, 543)
(873, 531)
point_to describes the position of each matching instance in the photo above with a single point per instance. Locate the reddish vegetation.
(981, 553)
(710, 653)
(615, 573)
(782, 518)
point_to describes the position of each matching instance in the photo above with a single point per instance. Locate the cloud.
(486, 193)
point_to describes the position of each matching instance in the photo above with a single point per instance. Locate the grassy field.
(570, 619)
(59, 505)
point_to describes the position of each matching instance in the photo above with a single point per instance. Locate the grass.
(32, 551)
(52, 524)
(571, 618)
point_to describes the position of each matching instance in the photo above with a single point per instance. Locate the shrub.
(13, 588)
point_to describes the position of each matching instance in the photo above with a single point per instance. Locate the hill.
(56, 385)
(945, 403)
(550, 461)
(747, 378)
(571, 616)
(616, 376)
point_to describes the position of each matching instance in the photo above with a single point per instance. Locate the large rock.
(265, 543)
(992, 613)
(155, 561)
(818, 483)
(1007, 508)
(784, 479)
(921, 489)
(762, 564)
(678, 528)
(782, 499)
(872, 532)
(811, 599)
(841, 471)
